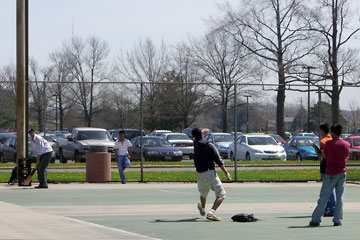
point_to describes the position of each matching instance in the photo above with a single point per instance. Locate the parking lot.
(168, 211)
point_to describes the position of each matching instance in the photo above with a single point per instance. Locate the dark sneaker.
(202, 213)
(213, 217)
(337, 224)
(313, 224)
(123, 182)
(41, 187)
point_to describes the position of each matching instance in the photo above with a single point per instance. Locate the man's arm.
(227, 174)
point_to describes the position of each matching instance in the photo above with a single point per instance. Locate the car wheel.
(354, 156)
(191, 156)
(1, 158)
(248, 158)
(298, 157)
(61, 156)
(77, 157)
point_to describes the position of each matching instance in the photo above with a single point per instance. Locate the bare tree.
(8, 97)
(187, 95)
(271, 31)
(145, 63)
(331, 21)
(60, 75)
(38, 77)
(86, 62)
(354, 114)
(225, 63)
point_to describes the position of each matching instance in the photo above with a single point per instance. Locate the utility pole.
(247, 112)
(308, 108)
(20, 78)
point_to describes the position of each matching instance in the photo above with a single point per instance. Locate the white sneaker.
(213, 217)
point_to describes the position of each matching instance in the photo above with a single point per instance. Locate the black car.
(8, 150)
(129, 133)
(155, 149)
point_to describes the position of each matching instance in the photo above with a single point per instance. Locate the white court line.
(110, 228)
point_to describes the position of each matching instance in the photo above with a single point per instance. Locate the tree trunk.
(335, 99)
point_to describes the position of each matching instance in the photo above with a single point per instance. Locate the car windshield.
(94, 135)
(223, 138)
(304, 142)
(261, 141)
(156, 142)
(356, 141)
(178, 137)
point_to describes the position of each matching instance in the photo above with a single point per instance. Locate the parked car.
(158, 133)
(221, 142)
(129, 133)
(300, 148)
(60, 133)
(307, 134)
(155, 149)
(8, 150)
(81, 140)
(182, 142)
(357, 132)
(257, 147)
(50, 138)
(60, 141)
(278, 138)
(188, 131)
(4, 137)
(354, 142)
(288, 135)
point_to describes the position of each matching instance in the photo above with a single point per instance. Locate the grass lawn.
(190, 176)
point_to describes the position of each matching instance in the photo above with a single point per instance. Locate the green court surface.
(168, 211)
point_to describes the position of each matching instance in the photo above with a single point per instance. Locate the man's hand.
(228, 176)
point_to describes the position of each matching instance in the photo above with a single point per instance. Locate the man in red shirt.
(336, 151)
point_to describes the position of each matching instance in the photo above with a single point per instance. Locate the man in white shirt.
(44, 153)
(123, 151)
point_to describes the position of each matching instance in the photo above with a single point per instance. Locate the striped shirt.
(123, 147)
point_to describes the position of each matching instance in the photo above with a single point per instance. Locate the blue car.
(221, 142)
(300, 148)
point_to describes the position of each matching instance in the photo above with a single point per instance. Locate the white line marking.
(110, 228)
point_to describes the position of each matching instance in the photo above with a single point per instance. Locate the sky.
(118, 22)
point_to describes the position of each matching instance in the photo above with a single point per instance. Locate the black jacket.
(205, 156)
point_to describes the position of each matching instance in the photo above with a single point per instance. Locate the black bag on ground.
(243, 217)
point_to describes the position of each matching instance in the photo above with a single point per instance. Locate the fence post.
(141, 133)
(235, 134)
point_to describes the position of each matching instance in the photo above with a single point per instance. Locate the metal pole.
(308, 125)
(20, 81)
(235, 134)
(26, 76)
(319, 106)
(247, 113)
(141, 133)
(56, 114)
(44, 106)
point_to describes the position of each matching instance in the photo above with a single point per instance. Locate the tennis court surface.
(169, 211)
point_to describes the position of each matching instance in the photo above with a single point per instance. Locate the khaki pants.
(210, 180)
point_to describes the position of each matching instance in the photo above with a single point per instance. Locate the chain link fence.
(158, 117)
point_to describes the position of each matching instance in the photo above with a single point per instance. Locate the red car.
(278, 138)
(354, 144)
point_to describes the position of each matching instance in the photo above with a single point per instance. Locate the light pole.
(247, 112)
(56, 113)
(308, 108)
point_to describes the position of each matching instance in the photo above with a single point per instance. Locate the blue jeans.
(121, 166)
(44, 162)
(330, 183)
(330, 205)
